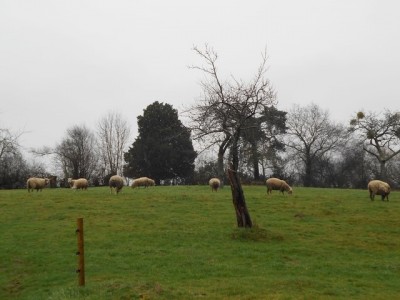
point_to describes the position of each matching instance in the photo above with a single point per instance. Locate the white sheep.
(142, 181)
(151, 182)
(36, 183)
(116, 182)
(77, 184)
(378, 187)
(214, 183)
(278, 184)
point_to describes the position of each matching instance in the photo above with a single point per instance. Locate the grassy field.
(181, 242)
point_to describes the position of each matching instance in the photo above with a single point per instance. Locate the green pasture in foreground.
(181, 242)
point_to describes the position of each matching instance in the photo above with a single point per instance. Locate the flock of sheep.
(272, 184)
(115, 183)
(375, 187)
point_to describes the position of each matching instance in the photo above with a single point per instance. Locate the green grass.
(182, 242)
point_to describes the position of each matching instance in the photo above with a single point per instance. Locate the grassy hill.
(181, 242)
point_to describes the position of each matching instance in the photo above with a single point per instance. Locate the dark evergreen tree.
(163, 149)
(262, 133)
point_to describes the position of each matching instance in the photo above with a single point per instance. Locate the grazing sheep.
(214, 183)
(278, 184)
(77, 184)
(116, 182)
(37, 183)
(143, 181)
(378, 187)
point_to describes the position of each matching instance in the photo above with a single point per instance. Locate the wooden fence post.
(80, 253)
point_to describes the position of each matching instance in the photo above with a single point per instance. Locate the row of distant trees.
(235, 115)
(95, 155)
(240, 120)
(302, 145)
(235, 122)
(315, 154)
(163, 151)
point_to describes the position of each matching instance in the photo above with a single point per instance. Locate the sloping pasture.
(181, 242)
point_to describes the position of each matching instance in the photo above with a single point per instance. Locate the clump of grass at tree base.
(181, 242)
(256, 234)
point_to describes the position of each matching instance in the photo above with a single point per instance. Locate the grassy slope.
(182, 243)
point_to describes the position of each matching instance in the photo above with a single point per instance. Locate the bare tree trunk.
(254, 157)
(383, 173)
(221, 165)
(242, 214)
(113, 132)
(308, 173)
(221, 152)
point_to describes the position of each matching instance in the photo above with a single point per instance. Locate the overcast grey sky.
(65, 63)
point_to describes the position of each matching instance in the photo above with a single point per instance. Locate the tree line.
(234, 122)
(302, 145)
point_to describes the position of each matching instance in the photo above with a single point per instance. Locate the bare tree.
(12, 165)
(8, 142)
(311, 135)
(76, 153)
(381, 136)
(113, 134)
(354, 167)
(222, 115)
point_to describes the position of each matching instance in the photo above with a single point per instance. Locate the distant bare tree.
(12, 165)
(354, 166)
(8, 142)
(381, 136)
(223, 115)
(113, 134)
(76, 153)
(312, 135)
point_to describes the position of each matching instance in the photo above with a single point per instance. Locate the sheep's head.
(71, 182)
(385, 195)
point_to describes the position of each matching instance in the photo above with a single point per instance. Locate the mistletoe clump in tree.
(381, 136)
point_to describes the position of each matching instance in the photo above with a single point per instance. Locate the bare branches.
(311, 135)
(380, 135)
(8, 141)
(210, 57)
(76, 152)
(227, 105)
(113, 134)
(213, 86)
(237, 98)
(45, 150)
